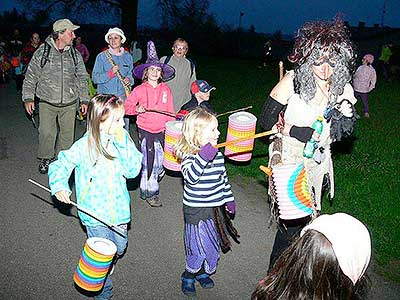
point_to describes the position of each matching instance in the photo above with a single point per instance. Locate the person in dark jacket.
(200, 90)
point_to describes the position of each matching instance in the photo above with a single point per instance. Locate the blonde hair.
(193, 126)
(101, 107)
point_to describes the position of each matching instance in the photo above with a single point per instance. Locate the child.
(200, 90)
(206, 189)
(364, 81)
(103, 158)
(328, 261)
(152, 94)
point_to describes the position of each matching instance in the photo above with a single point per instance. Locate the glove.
(208, 152)
(231, 208)
(345, 108)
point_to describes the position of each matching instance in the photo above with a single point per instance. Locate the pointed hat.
(152, 60)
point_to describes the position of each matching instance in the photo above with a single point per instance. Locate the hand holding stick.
(163, 112)
(109, 224)
(255, 136)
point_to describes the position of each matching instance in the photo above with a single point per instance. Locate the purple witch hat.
(152, 60)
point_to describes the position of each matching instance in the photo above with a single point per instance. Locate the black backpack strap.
(192, 66)
(73, 54)
(167, 59)
(45, 55)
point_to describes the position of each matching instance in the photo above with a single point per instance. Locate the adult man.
(185, 73)
(58, 77)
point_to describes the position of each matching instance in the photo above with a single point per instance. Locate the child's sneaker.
(188, 287)
(205, 281)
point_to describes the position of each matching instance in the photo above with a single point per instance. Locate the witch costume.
(151, 125)
(304, 100)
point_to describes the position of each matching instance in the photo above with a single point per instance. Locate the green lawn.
(366, 167)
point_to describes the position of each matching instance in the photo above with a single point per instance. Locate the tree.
(127, 10)
(177, 12)
(12, 17)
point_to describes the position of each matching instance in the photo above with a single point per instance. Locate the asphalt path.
(41, 241)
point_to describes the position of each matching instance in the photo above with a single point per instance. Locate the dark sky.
(286, 15)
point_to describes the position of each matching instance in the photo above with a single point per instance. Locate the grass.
(367, 166)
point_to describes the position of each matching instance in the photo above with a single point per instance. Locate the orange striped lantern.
(94, 263)
(173, 132)
(293, 198)
(241, 124)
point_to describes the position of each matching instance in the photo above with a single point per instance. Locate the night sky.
(272, 15)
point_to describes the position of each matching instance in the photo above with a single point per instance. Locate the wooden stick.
(115, 227)
(161, 112)
(280, 70)
(233, 111)
(254, 136)
(126, 87)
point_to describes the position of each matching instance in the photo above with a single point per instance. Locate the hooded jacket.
(59, 82)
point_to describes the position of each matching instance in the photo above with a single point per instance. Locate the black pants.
(287, 232)
(19, 79)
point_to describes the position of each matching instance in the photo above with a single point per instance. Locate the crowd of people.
(313, 257)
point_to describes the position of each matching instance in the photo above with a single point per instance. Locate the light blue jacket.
(105, 84)
(101, 187)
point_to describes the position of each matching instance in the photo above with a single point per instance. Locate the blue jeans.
(121, 243)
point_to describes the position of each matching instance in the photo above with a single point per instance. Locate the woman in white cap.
(327, 261)
(112, 70)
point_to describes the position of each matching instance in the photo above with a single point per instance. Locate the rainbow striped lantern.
(241, 124)
(290, 182)
(173, 133)
(95, 260)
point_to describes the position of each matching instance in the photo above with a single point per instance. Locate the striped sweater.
(205, 183)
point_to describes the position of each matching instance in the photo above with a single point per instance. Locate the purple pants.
(364, 99)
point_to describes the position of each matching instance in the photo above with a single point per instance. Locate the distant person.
(15, 42)
(364, 81)
(57, 75)
(208, 202)
(201, 91)
(384, 59)
(267, 54)
(153, 104)
(29, 49)
(17, 69)
(102, 159)
(113, 67)
(185, 73)
(83, 50)
(328, 261)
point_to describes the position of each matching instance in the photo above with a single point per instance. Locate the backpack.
(192, 65)
(46, 53)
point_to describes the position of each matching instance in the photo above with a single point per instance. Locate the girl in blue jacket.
(102, 159)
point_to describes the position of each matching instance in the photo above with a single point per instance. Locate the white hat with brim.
(64, 24)
(115, 30)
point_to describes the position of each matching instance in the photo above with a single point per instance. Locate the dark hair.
(312, 41)
(55, 34)
(309, 270)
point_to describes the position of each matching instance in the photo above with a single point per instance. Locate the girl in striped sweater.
(206, 189)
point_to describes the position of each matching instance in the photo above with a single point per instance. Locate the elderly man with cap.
(113, 68)
(58, 77)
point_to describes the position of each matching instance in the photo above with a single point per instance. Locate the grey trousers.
(56, 129)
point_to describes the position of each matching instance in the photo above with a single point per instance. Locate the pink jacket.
(364, 79)
(159, 98)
